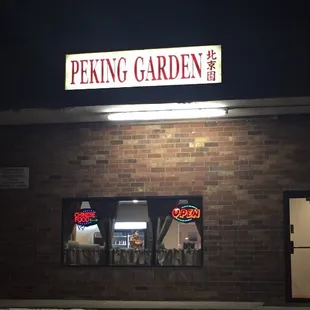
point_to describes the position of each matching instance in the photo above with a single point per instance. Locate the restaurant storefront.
(157, 202)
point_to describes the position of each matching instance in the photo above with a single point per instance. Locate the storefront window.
(178, 232)
(150, 232)
(131, 239)
(87, 229)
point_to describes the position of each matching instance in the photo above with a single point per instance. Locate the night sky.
(265, 47)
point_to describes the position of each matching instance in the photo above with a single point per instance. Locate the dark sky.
(265, 46)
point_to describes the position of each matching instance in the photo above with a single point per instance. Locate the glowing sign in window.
(186, 213)
(85, 218)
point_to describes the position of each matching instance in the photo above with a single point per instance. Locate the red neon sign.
(185, 214)
(86, 217)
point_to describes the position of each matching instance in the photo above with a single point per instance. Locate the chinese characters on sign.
(211, 60)
(141, 68)
(186, 213)
(85, 218)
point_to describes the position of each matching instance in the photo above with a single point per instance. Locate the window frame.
(116, 199)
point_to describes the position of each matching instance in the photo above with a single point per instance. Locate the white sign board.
(14, 177)
(156, 67)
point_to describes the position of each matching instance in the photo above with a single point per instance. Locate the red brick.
(155, 155)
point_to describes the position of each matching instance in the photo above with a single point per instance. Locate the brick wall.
(240, 167)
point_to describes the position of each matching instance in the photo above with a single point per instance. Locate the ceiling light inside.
(130, 225)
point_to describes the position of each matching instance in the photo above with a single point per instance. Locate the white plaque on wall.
(14, 177)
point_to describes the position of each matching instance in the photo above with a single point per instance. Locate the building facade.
(240, 167)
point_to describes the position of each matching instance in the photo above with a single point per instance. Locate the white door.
(300, 247)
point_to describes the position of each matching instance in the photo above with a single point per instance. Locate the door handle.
(292, 247)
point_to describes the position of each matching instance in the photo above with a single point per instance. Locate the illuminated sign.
(141, 68)
(85, 218)
(186, 213)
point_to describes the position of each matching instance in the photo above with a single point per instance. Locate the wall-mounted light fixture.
(167, 115)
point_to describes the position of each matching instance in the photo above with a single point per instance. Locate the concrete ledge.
(105, 304)
(299, 307)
